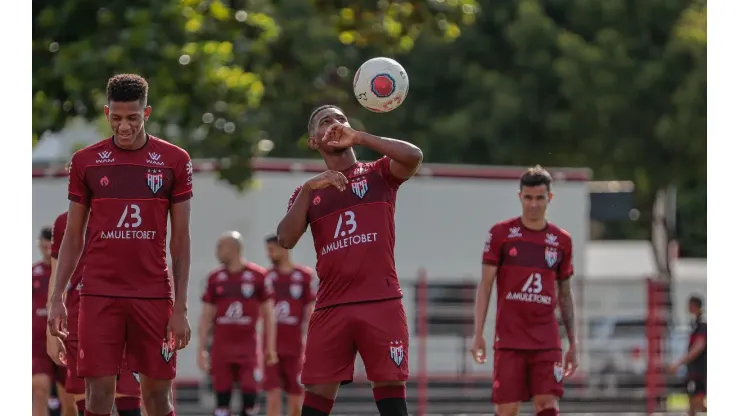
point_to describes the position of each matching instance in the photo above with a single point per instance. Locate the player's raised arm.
(491, 259)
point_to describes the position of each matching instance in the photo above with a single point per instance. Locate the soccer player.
(350, 208)
(294, 303)
(531, 261)
(237, 296)
(45, 373)
(127, 185)
(128, 394)
(695, 359)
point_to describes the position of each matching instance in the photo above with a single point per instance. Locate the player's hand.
(204, 362)
(56, 350)
(571, 362)
(673, 368)
(327, 179)
(479, 350)
(271, 357)
(57, 318)
(340, 136)
(178, 329)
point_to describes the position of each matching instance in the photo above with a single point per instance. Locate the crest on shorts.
(296, 291)
(359, 187)
(397, 353)
(168, 350)
(154, 180)
(551, 256)
(247, 290)
(558, 372)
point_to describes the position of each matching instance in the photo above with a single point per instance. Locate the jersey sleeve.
(57, 234)
(293, 197)
(182, 189)
(78, 191)
(384, 167)
(565, 270)
(492, 247)
(208, 295)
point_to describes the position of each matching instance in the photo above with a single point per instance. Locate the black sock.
(55, 407)
(130, 412)
(249, 404)
(315, 405)
(80, 413)
(391, 400)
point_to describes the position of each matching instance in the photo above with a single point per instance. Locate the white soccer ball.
(381, 85)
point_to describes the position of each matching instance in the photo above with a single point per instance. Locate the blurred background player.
(46, 376)
(351, 209)
(131, 182)
(531, 261)
(695, 359)
(237, 296)
(294, 303)
(128, 393)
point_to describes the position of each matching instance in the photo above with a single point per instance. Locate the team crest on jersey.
(558, 372)
(551, 256)
(296, 291)
(359, 187)
(397, 353)
(154, 180)
(247, 290)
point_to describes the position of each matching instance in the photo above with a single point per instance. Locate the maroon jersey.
(529, 265)
(72, 300)
(237, 298)
(293, 292)
(129, 193)
(41, 273)
(354, 234)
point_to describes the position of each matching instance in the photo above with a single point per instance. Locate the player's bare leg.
(67, 401)
(41, 390)
(507, 409)
(390, 397)
(275, 403)
(79, 400)
(156, 396)
(294, 404)
(545, 405)
(319, 399)
(99, 394)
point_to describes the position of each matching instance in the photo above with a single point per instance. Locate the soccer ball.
(381, 85)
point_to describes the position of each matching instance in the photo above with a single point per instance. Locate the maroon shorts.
(108, 327)
(377, 330)
(127, 384)
(285, 375)
(518, 375)
(43, 364)
(226, 373)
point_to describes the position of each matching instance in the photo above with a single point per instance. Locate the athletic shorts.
(378, 331)
(110, 327)
(285, 375)
(227, 373)
(696, 387)
(43, 364)
(126, 385)
(518, 375)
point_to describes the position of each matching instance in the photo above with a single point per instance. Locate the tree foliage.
(618, 85)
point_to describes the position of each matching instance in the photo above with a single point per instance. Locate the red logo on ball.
(383, 85)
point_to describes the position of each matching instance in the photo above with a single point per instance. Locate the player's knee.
(41, 386)
(507, 409)
(544, 403)
(328, 390)
(223, 399)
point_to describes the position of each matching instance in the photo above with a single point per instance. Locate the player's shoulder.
(102, 149)
(511, 225)
(559, 233)
(163, 147)
(218, 274)
(38, 268)
(305, 271)
(61, 219)
(255, 268)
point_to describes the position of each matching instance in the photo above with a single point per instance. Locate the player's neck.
(236, 266)
(46, 262)
(285, 267)
(340, 161)
(534, 225)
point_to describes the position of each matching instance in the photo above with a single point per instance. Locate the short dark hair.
(311, 126)
(127, 88)
(271, 238)
(45, 233)
(696, 301)
(535, 176)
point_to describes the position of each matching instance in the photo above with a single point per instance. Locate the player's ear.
(313, 143)
(549, 196)
(106, 111)
(147, 112)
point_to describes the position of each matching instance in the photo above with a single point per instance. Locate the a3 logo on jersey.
(154, 180)
(551, 256)
(397, 352)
